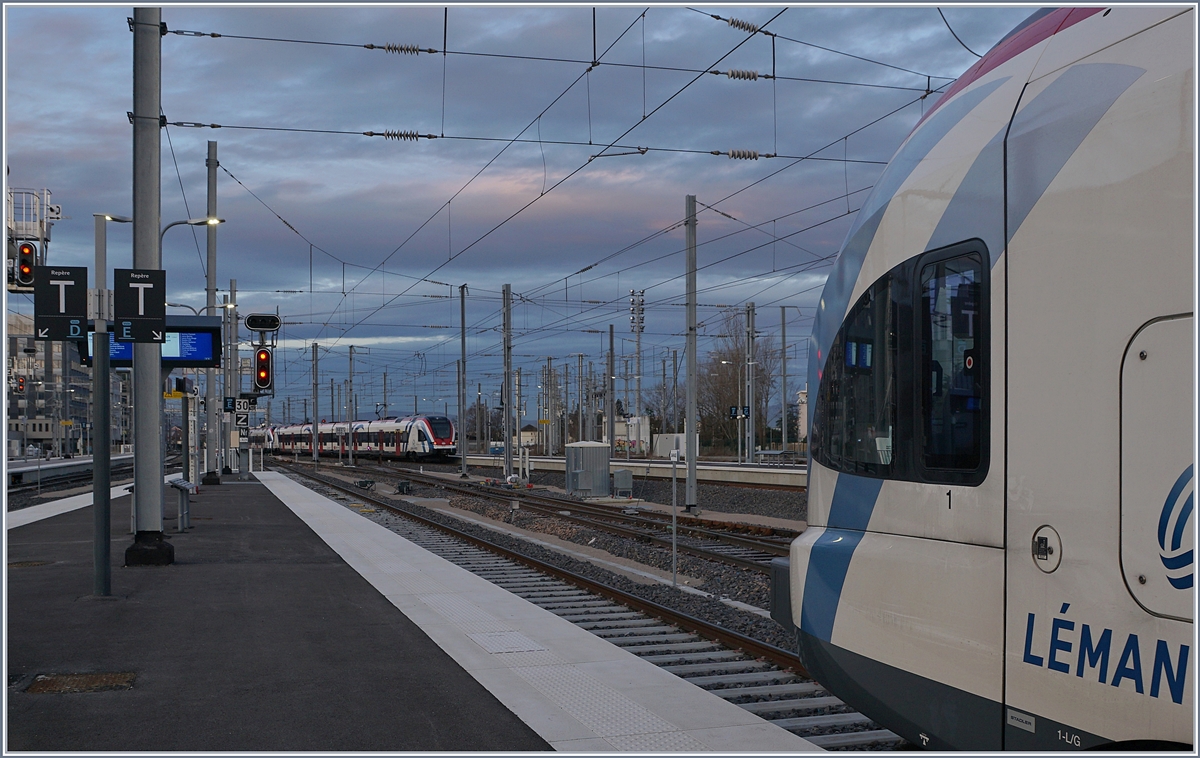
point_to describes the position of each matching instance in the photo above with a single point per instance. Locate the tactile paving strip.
(605, 711)
(457, 610)
(506, 642)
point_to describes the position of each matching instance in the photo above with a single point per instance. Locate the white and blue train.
(1001, 530)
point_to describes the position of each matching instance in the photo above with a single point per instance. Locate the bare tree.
(720, 375)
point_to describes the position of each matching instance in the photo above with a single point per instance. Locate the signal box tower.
(30, 216)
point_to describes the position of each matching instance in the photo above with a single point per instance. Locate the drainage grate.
(28, 564)
(62, 684)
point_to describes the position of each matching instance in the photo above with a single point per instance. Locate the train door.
(1100, 213)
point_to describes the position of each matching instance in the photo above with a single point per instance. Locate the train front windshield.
(441, 427)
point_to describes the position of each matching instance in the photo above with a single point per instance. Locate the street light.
(101, 392)
(190, 222)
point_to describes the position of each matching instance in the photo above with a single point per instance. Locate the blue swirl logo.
(1175, 550)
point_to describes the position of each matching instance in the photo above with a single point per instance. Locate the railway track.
(763, 679)
(53, 482)
(732, 544)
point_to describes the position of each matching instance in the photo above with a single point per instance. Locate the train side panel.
(1101, 271)
(920, 596)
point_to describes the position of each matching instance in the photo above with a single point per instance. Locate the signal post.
(267, 325)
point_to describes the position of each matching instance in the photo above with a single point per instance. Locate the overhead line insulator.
(745, 26)
(737, 73)
(743, 155)
(400, 135)
(401, 49)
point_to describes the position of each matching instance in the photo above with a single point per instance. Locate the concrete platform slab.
(259, 638)
(531, 659)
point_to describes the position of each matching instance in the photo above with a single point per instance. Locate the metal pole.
(638, 377)
(783, 404)
(506, 403)
(751, 436)
(674, 531)
(101, 458)
(610, 396)
(674, 391)
(350, 404)
(149, 547)
(316, 438)
(689, 425)
(479, 419)
(210, 388)
(462, 380)
(234, 333)
(582, 433)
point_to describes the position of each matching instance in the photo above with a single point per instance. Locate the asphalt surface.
(258, 638)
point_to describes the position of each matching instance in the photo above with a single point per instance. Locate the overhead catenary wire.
(551, 59)
(413, 136)
(964, 44)
(545, 142)
(183, 192)
(561, 181)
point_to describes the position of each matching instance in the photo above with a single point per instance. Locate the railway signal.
(263, 378)
(26, 260)
(20, 384)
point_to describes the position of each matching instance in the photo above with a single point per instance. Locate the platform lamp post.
(101, 450)
(149, 547)
(206, 221)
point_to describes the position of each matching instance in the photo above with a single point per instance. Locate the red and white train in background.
(410, 437)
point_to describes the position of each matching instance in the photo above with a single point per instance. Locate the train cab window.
(951, 334)
(904, 388)
(440, 425)
(857, 402)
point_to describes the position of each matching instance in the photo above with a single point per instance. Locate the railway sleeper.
(769, 690)
(606, 624)
(669, 659)
(614, 612)
(854, 739)
(551, 605)
(635, 632)
(732, 667)
(678, 647)
(819, 722)
(630, 642)
(754, 678)
(791, 704)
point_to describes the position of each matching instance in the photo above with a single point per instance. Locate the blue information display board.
(187, 345)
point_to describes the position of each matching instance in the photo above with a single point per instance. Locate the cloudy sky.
(520, 186)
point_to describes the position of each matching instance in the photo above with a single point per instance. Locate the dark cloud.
(364, 200)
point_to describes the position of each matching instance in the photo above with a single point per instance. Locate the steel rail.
(555, 509)
(686, 523)
(749, 645)
(657, 520)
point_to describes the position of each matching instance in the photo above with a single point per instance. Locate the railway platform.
(290, 623)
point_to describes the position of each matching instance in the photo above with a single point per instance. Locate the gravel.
(724, 498)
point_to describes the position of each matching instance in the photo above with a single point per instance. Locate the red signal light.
(26, 259)
(262, 369)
